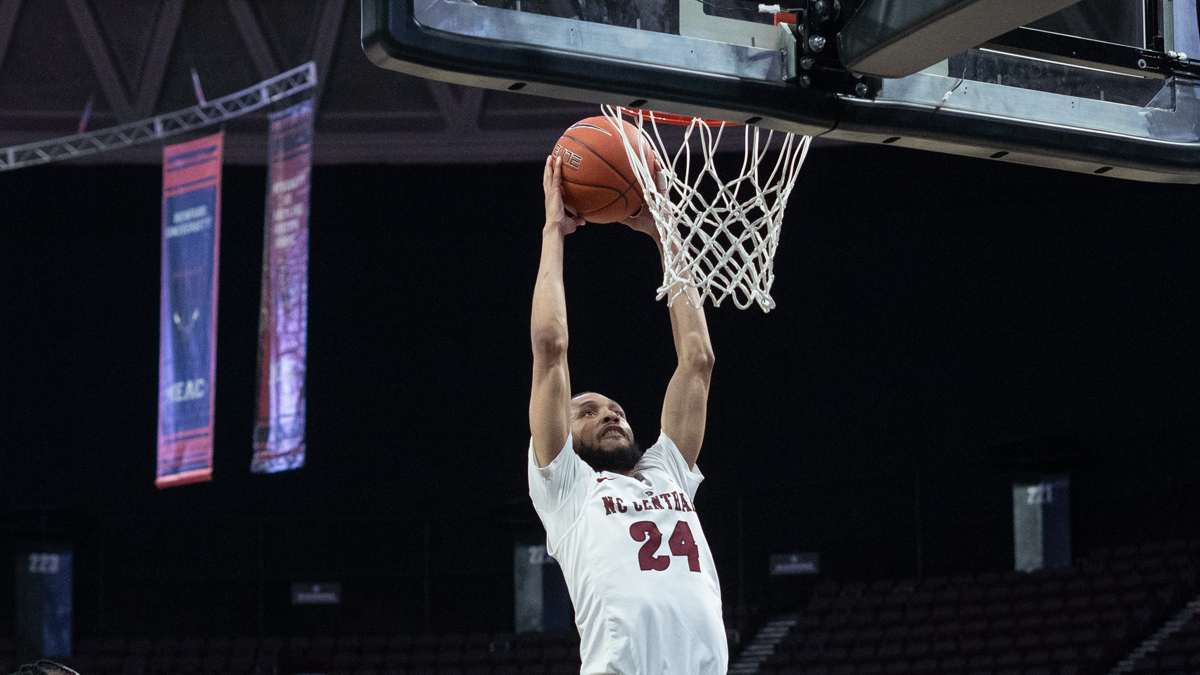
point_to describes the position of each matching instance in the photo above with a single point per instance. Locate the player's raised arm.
(550, 400)
(685, 408)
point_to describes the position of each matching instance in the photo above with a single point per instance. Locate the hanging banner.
(43, 603)
(283, 314)
(187, 362)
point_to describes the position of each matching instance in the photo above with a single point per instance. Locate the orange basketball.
(598, 183)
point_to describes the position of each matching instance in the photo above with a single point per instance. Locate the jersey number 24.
(682, 543)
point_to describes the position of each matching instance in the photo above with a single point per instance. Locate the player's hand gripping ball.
(598, 183)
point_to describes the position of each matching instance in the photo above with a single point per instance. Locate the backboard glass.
(1103, 86)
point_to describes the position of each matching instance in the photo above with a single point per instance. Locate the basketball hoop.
(719, 235)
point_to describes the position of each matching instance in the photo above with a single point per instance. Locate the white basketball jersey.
(637, 565)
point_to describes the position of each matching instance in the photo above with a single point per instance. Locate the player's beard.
(621, 459)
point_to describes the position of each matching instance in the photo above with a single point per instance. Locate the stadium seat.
(214, 662)
(924, 665)
(159, 663)
(833, 654)
(401, 642)
(1011, 659)
(188, 663)
(890, 651)
(842, 636)
(134, 665)
(1003, 625)
(528, 653)
(422, 656)
(394, 660)
(1036, 657)
(870, 668)
(862, 653)
(241, 663)
(472, 656)
(344, 660)
(916, 649)
(921, 632)
(952, 664)
(807, 657)
(870, 634)
(889, 616)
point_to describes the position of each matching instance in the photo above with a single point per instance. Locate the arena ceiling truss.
(134, 59)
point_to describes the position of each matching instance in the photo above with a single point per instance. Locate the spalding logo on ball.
(598, 183)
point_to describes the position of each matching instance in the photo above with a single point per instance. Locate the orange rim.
(668, 118)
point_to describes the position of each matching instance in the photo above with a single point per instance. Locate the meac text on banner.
(187, 363)
(283, 314)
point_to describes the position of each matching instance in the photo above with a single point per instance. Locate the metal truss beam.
(9, 9)
(102, 60)
(253, 38)
(461, 107)
(162, 126)
(157, 56)
(329, 23)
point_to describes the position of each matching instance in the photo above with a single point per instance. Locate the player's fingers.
(655, 170)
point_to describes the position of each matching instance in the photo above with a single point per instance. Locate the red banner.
(283, 314)
(187, 364)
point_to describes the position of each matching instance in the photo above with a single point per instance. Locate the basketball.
(598, 183)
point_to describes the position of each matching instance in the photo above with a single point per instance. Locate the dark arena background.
(946, 328)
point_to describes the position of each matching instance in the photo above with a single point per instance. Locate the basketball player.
(621, 522)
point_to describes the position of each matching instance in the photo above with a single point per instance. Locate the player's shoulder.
(664, 456)
(663, 449)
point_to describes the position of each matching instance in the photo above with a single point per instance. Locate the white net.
(719, 234)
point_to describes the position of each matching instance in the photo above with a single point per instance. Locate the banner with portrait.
(283, 312)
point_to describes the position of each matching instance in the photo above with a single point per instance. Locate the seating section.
(1075, 621)
(450, 654)
(7, 662)
(1179, 654)
(1079, 620)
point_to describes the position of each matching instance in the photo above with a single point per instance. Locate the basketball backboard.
(1102, 86)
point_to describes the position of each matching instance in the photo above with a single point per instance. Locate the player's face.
(603, 438)
(598, 421)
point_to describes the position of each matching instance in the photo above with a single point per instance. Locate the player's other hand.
(643, 220)
(556, 215)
